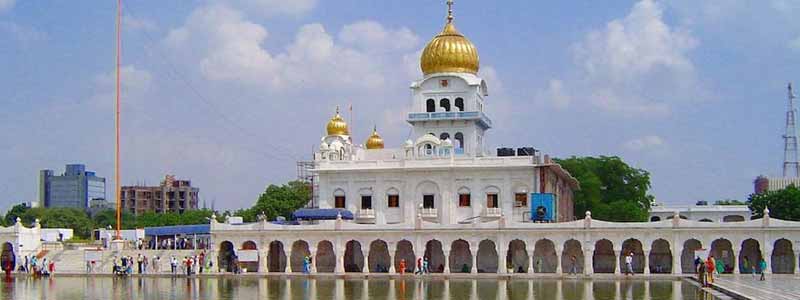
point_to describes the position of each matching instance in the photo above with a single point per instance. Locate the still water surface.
(73, 288)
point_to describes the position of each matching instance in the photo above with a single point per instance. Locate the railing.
(428, 212)
(492, 212)
(451, 115)
(365, 213)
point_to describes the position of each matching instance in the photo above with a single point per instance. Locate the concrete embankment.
(73, 261)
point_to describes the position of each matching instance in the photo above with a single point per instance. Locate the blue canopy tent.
(200, 233)
(321, 214)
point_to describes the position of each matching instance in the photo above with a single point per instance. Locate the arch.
(445, 104)
(353, 257)
(276, 258)
(632, 247)
(444, 136)
(251, 266)
(459, 104)
(660, 257)
(339, 198)
(603, 258)
(517, 257)
(430, 105)
(733, 218)
(783, 260)
(722, 249)
(688, 255)
(225, 259)
(299, 252)
(680, 216)
(544, 256)
(458, 142)
(706, 220)
(655, 219)
(378, 258)
(404, 251)
(435, 256)
(460, 257)
(751, 251)
(487, 259)
(325, 261)
(7, 256)
(572, 249)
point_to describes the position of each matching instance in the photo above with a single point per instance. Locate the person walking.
(574, 265)
(762, 266)
(425, 266)
(156, 260)
(139, 263)
(629, 263)
(419, 266)
(710, 265)
(720, 267)
(402, 266)
(202, 261)
(173, 263)
(701, 274)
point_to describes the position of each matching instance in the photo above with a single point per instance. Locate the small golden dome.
(450, 51)
(375, 141)
(337, 125)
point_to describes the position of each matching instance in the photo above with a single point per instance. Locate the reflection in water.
(228, 288)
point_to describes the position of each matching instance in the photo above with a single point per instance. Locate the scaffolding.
(306, 174)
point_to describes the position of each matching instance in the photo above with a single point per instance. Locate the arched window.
(445, 104)
(459, 144)
(339, 199)
(393, 198)
(431, 105)
(444, 136)
(655, 219)
(460, 104)
(464, 197)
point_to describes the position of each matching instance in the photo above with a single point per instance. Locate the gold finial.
(449, 11)
(337, 109)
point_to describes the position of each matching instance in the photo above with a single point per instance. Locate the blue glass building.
(74, 188)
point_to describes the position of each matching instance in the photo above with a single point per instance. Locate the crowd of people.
(706, 269)
(127, 265)
(36, 266)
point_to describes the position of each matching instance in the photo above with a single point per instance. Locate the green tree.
(73, 218)
(278, 201)
(105, 218)
(729, 202)
(611, 189)
(783, 204)
(13, 213)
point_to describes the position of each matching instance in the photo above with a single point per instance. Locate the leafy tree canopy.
(278, 201)
(783, 204)
(730, 202)
(611, 189)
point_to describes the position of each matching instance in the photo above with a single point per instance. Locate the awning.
(322, 213)
(178, 230)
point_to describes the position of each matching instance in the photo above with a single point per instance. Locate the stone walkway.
(776, 287)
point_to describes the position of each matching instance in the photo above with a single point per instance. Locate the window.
(430, 105)
(394, 200)
(459, 144)
(464, 200)
(491, 200)
(460, 104)
(338, 201)
(427, 201)
(445, 104)
(520, 200)
(366, 202)
(444, 136)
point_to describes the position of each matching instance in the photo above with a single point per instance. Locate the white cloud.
(228, 47)
(634, 63)
(6, 5)
(135, 83)
(555, 94)
(645, 143)
(134, 23)
(269, 8)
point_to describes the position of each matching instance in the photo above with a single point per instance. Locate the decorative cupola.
(450, 51)
(374, 141)
(337, 125)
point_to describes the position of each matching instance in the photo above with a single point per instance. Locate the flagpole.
(116, 122)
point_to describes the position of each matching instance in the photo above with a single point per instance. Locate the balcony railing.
(365, 213)
(493, 212)
(451, 115)
(428, 212)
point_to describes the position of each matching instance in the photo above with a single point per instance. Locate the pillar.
(795, 261)
(446, 252)
(646, 261)
(474, 255)
(339, 263)
(735, 259)
(588, 261)
(766, 252)
(502, 268)
(391, 247)
(619, 266)
(559, 271)
(676, 260)
(531, 262)
(312, 252)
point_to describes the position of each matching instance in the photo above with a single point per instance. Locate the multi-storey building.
(74, 188)
(171, 196)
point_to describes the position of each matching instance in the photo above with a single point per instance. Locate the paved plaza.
(776, 287)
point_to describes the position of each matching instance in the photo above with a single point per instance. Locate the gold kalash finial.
(449, 11)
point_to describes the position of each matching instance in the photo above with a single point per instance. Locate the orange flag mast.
(118, 236)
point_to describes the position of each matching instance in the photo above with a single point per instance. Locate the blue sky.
(230, 93)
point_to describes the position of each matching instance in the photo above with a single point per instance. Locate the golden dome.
(375, 141)
(337, 125)
(450, 51)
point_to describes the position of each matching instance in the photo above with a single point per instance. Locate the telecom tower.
(790, 140)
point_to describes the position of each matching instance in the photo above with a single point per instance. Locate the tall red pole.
(116, 120)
